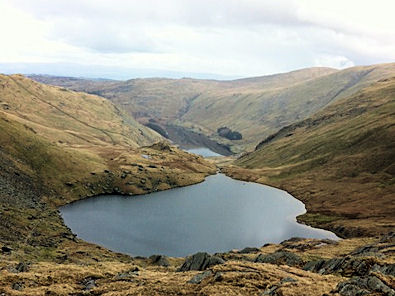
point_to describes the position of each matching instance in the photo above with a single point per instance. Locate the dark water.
(219, 214)
(205, 152)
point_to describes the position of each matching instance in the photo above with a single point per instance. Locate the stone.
(198, 278)
(249, 250)
(280, 257)
(200, 261)
(348, 266)
(22, 267)
(89, 283)
(18, 286)
(288, 280)
(271, 291)
(314, 266)
(159, 260)
(127, 276)
(388, 238)
(387, 269)
(218, 277)
(359, 286)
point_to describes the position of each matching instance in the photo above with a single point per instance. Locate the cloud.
(228, 37)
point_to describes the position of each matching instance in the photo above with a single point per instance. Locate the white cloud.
(229, 37)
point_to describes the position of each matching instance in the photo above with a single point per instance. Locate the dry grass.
(340, 163)
(255, 107)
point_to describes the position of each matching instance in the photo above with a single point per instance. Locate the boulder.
(349, 266)
(200, 261)
(159, 260)
(249, 250)
(364, 286)
(22, 267)
(18, 286)
(198, 278)
(280, 257)
(89, 283)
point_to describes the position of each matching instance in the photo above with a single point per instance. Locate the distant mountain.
(93, 71)
(340, 162)
(255, 107)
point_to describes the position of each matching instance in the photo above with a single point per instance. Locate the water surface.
(203, 151)
(217, 215)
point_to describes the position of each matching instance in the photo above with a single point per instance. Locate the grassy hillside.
(70, 118)
(256, 107)
(57, 146)
(340, 162)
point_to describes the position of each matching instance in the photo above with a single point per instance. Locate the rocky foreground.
(294, 267)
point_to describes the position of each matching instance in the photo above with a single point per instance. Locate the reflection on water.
(219, 214)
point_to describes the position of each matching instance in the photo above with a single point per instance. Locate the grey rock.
(314, 266)
(388, 238)
(22, 267)
(249, 250)
(280, 257)
(159, 260)
(18, 286)
(288, 280)
(200, 261)
(349, 266)
(358, 286)
(127, 276)
(89, 283)
(198, 278)
(368, 250)
(271, 291)
(218, 277)
(387, 269)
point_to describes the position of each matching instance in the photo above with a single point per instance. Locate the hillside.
(339, 162)
(255, 107)
(57, 146)
(70, 118)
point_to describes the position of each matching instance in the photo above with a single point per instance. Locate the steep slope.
(339, 162)
(255, 107)
(70, 118)
(57, 146)
(169, 101)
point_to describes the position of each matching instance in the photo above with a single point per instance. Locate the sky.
(197, 38)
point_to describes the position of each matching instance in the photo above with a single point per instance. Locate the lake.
(202, 151)
(217, 215)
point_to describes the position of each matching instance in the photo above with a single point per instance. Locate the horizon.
(173, 75)
(221, 40)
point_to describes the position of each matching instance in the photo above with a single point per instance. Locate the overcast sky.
(235, 38)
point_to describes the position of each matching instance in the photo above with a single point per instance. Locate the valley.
(325, 136)
(255, 107)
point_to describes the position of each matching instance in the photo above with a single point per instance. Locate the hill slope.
(255, 107)
(340, 162)
(57, 146)
(70, 118)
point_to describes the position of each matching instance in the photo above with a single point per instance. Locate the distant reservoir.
(217, 215)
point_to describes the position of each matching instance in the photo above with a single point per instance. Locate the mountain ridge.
(255, 107)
